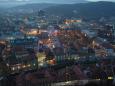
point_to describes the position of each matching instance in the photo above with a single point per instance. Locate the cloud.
(101, 0)
(13, 0)
(50, 1)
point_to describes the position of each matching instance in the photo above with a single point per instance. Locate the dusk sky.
(12, 3)
(52, 1)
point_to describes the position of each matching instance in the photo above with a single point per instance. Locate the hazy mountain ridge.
(14, 3)
(28, 8)
(35, 6)
(87, 10)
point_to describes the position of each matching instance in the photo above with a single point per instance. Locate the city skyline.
(57, 42)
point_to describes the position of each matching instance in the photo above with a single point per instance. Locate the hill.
(31, 7)
(34, 5)
(86, 10)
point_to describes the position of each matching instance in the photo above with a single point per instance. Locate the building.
(26, 42)
(20, 55)
(69, 21)
(18, 59)
(107, 32)
(113, 30)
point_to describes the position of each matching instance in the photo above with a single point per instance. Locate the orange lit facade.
(72, 21)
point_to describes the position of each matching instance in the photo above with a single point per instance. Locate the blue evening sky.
(52, 1)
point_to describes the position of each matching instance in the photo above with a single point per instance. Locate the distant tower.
(41, 13)
(113, 30)
(26, 20)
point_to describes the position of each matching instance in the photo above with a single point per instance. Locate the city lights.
(28, 65)
(110, 78)
(19, 67)
(57, 44)
(13, 68)
(24, 66)
(41, 64)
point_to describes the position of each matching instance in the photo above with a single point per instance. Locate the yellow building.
(41, 56)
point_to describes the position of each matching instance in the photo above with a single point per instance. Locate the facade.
(27, 42)
(19, 55)
(18, 59)
(113, 30)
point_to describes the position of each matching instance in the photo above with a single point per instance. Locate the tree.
(4, 70)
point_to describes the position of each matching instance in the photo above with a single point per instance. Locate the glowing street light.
(23, 66)
(13, 68)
